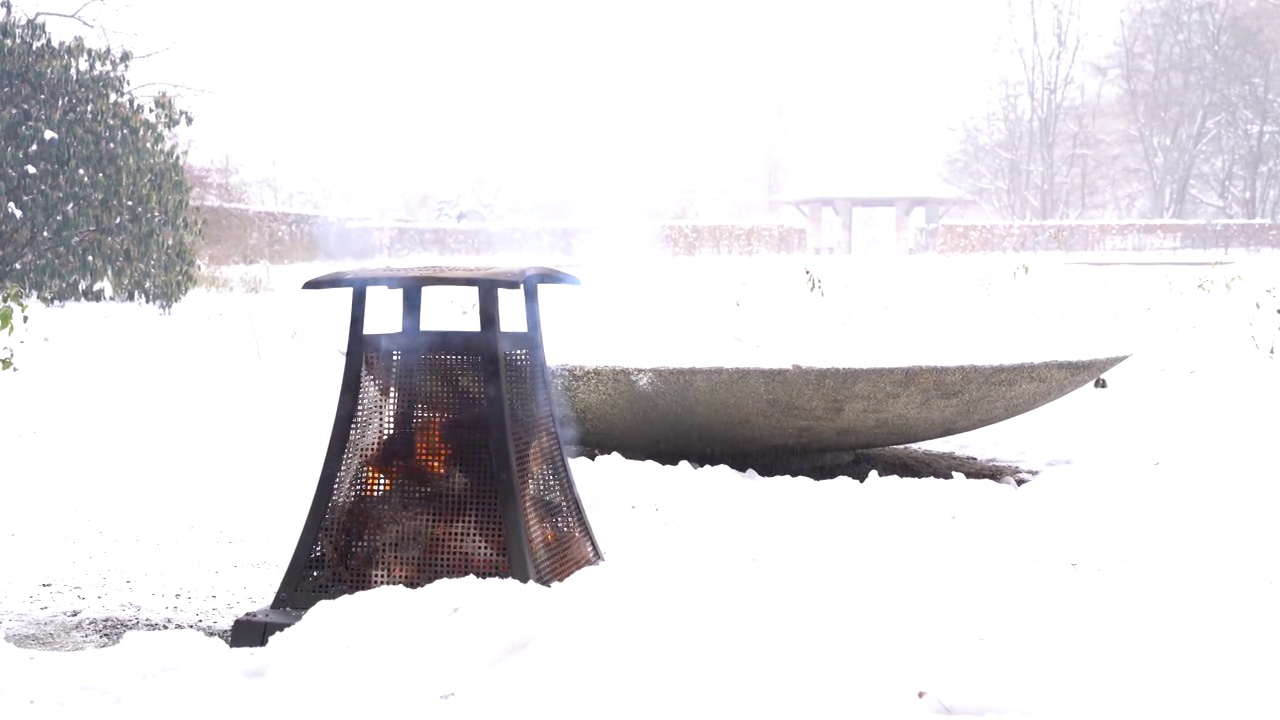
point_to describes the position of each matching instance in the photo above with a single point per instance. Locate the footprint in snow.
(939, 706)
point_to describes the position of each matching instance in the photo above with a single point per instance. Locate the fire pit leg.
(253, 629)
(445, 458)
(504, 453)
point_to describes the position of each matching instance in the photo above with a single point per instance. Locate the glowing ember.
(431, 453)
(375, 482)
(430, 449)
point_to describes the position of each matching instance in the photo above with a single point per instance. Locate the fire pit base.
(253, 629)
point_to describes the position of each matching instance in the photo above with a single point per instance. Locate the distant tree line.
(1176, 117)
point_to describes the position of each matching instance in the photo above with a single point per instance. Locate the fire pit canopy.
(501, 277)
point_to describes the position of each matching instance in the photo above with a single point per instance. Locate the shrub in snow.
(92, 181)
(13, 312)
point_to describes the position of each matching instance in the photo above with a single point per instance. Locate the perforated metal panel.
(559, 540)
(416, 498)
(417, 495)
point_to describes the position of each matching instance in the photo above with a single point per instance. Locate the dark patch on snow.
(902, 461)
(70, 632)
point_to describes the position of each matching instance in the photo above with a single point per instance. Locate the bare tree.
(1243, 171)
(217, 183)
(1172, 59)
(1257, 31)
(82, 15)
(1026, 159)
(77, 15)
(1201, 88)
(1108, 188)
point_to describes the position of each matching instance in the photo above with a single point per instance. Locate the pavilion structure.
(934, 198)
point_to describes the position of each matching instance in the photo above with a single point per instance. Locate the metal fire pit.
(444, 461)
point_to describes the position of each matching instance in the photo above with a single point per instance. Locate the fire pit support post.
(444, 460)
(533, 325)
(504, 455)
(411, 312)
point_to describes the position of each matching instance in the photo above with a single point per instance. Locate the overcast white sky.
(592, 99)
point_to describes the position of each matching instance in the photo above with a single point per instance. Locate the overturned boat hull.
(711, 412)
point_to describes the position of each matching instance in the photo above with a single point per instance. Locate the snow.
(159, 467)
(760, 312)
(1105, 221)
(271, 209)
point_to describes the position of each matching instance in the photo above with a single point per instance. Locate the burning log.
(412, 519)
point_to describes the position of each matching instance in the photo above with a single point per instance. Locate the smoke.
(567, 425)
(576, 112)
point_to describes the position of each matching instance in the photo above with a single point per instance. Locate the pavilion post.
(901, 225)
(844, 209)
(814, 234)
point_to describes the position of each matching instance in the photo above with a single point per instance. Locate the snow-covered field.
(156, 470)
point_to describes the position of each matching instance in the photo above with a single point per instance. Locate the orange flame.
(375, 482)
(431, 453)
(430, 449)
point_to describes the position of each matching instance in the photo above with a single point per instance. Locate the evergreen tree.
(93, 192)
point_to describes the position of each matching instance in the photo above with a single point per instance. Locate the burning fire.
(430, 453)
(430, 449)
(375, 482)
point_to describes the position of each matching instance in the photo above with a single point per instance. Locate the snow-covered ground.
(156, 470)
